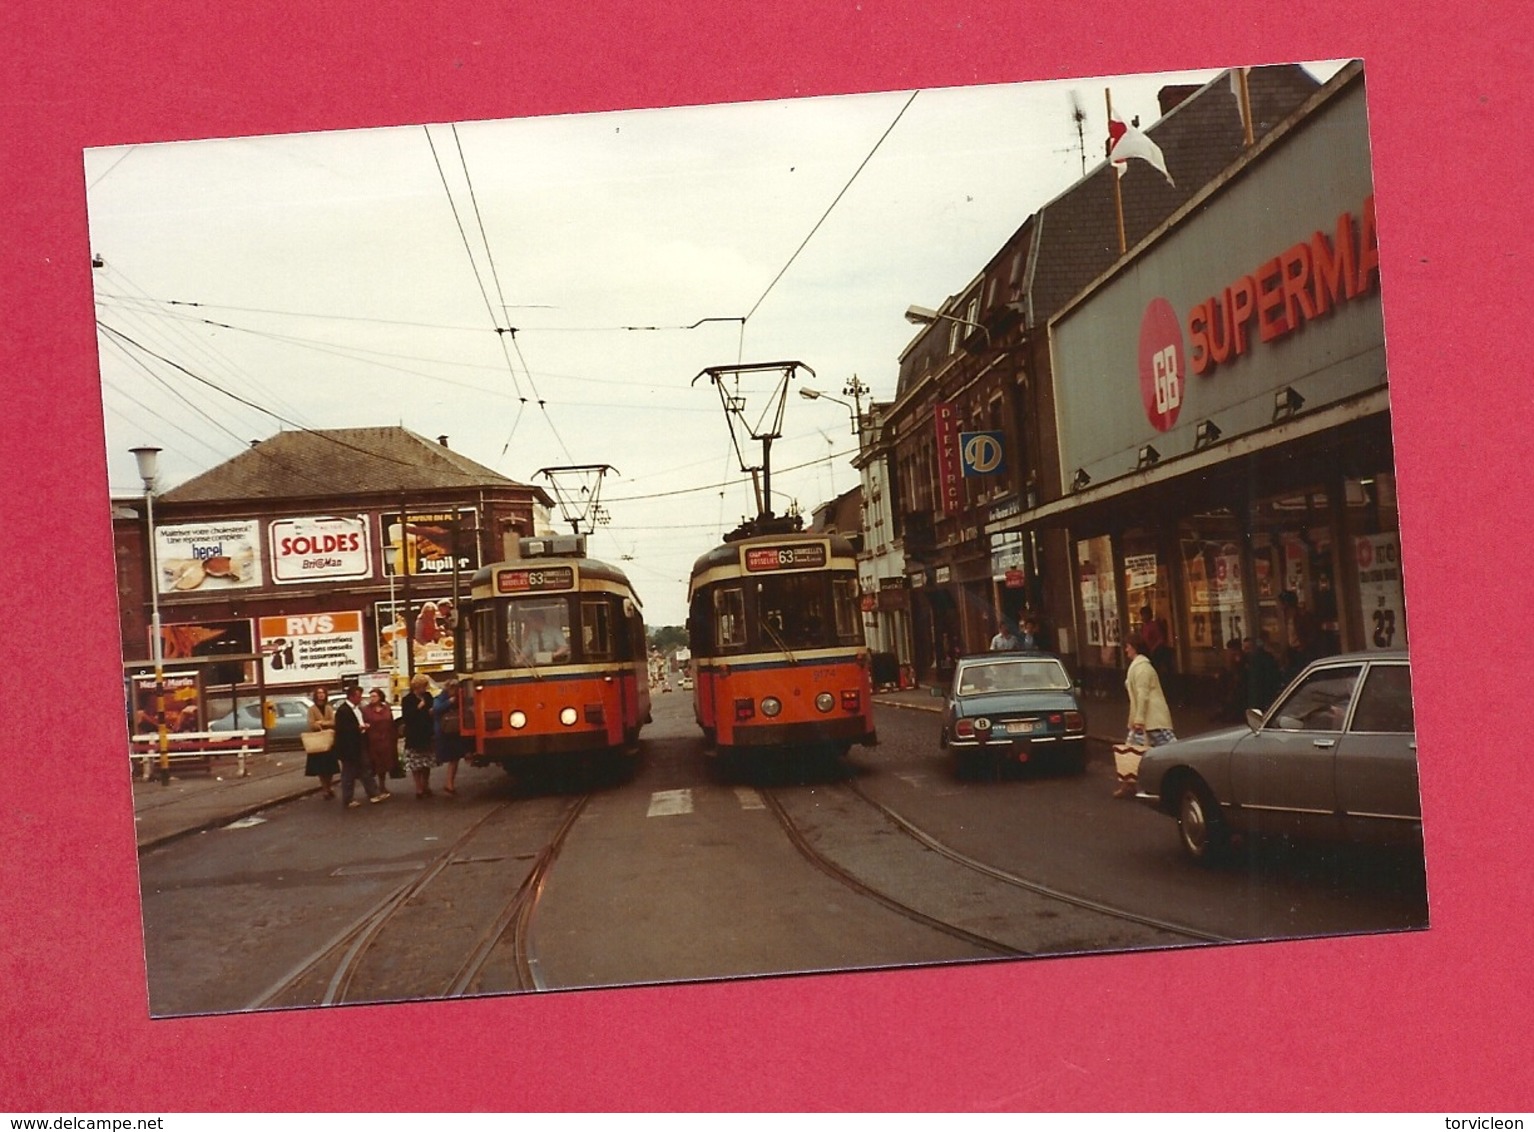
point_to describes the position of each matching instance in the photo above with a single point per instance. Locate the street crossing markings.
(749, 799)
(668, 803)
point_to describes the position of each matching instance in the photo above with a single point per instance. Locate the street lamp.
(149, 470)
(922, 316)
(810, 394)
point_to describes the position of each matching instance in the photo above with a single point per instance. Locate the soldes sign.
(320, 548)
(1304, 283)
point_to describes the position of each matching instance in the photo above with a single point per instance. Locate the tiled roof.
(1199, 138)
(339, 461)
(1073, 238)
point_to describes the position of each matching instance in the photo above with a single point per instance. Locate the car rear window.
(1013, 676)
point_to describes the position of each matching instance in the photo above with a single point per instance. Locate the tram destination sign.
(792, 556)
(543, 579)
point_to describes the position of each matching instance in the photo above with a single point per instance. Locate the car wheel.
(1199, 826)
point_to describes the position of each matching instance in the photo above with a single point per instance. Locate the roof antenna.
(1079, 116)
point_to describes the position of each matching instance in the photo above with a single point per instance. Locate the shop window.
(1375, 547)
(1294, 551)
(1099, 598)
(1214, 591)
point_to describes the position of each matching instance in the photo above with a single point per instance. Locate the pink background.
(1426, 1021)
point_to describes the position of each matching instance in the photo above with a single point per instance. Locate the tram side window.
(844, 598)
(483, 639)
(729, 617)
(596, 630)
(538, 632)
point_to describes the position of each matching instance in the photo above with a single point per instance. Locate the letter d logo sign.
(984, 453)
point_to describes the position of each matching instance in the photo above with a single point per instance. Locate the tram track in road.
(836, 872)
(339, 961)
(989, 907)
(517, 918)
(926, 839)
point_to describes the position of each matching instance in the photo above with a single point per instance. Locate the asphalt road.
(681, 872)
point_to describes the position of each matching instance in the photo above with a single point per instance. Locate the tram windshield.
(538, 632)
(808, 611)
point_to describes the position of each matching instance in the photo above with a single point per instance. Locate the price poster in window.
(1379, 590)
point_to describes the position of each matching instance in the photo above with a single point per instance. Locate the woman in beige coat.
(1150, 720)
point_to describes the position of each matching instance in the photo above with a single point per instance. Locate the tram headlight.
(568, 716)
(825, 701)
(518, 720)
(771, 706)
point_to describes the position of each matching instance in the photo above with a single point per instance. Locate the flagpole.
(1118, 195)
(1245, 94)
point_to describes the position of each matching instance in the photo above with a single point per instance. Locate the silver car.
(1334, 758)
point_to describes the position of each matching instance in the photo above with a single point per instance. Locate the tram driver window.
(596, 633)
(538, 632)
(729, 618)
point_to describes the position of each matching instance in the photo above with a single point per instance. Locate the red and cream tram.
(777, 643)
(554, 657)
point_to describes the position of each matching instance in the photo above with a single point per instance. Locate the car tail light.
(851, 700)
(964, 729)
(745, 709)
(1075, 721)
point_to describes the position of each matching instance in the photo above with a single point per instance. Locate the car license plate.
(1024, 727)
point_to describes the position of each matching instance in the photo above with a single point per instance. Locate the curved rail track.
(1178, 933)
(344, 953)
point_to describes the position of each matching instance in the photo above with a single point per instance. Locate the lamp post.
(810, 394)
(922, 316)
(148, 470)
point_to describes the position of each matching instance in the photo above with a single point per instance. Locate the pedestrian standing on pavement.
(415, 715)
(1005, 639)
(351, 751)
(1150, 720)
(382, 738)
(447, 734)
(322, 765)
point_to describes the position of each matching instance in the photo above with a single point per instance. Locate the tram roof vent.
(553, 546)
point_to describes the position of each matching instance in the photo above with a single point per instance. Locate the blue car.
(1014, 707)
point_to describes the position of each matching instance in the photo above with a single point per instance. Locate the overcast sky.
(356, 288)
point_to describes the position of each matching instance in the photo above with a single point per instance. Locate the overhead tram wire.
(318, 433)
(832, 206)
(500, 294)
(480, 283)
(199, 346)
(306, 314)
(726, 484)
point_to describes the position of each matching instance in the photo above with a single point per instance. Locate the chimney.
(1173, 96)
(442, 440)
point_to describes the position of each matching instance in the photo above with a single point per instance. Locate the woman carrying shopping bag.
(1150, 720)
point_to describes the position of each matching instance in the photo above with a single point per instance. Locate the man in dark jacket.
(351, 752)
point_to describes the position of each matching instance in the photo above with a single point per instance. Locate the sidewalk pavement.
(1107, 718)
(194, 801)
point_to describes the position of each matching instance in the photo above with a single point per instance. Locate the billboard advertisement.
(430, 633)
(320, 548)
(312, 648)
(190, 639)
(423, 542)
(208, 556)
